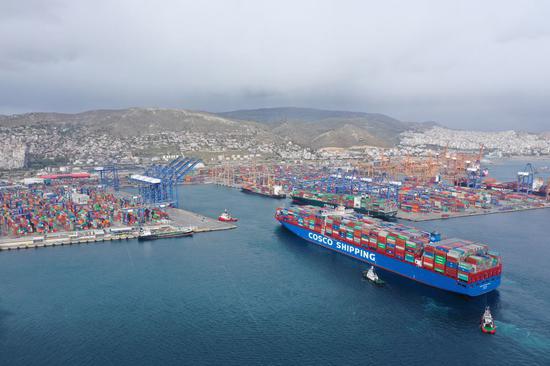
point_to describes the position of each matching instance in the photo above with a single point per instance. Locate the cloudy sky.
(466, 64)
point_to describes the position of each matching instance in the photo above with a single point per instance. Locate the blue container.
(464, 269)
(435, 236)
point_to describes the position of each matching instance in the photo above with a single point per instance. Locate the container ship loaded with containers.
(454, 265)
(382, 208)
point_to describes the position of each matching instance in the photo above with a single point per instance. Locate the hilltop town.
(91, 138)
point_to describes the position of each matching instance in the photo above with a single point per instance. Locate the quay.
(178, 217)
(418, 217)
(200, 223)
(67, 238)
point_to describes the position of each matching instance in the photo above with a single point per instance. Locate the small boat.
(226, 217)
(487, 322)
(372, 276)
(164, 233)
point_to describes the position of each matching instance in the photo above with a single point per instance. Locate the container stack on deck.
(268, 190)
(461, 259)
(365, 202)
(456, 258)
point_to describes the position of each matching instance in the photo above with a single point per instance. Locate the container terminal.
(63, 209)
(420, 189)
(69, 202)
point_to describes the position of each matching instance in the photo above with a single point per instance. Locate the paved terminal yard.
(415, 216)
(178, 217)
(199, 222)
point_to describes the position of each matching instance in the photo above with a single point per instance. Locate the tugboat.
(372, 276)
(487, 322)
(226, 217)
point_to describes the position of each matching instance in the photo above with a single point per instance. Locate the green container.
(382, 245)
(439, 270)
(409, 258)
(463, 277)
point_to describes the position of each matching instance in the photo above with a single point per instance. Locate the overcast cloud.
(466, 64)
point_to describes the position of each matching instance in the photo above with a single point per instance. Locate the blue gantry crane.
(158, 183)
(108, 176)
(346, 182)
(525, 179)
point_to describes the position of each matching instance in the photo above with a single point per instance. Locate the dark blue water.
(259, 295)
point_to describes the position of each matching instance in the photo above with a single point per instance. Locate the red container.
(451, 272)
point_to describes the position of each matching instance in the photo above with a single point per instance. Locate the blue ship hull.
(405, 269)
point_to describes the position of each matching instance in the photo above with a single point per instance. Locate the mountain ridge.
(319, 128)
(308, 127)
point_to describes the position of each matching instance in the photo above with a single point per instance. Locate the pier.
(415, 216)
(178, 217)
(200, 222)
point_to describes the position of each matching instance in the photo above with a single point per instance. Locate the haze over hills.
(131, 135)
(319, 128)
(308, 127)
(134, 121)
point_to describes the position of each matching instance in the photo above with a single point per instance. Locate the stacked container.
(459, 259)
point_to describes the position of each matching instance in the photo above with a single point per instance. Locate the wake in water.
(524, 337)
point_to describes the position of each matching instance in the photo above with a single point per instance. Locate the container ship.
(272, 191)
(455, 265)
(381, 208)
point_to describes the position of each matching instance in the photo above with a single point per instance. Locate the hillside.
(134, 121)
(323, 128)
(313, 128)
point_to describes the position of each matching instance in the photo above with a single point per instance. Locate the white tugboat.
(372, 276)
(487, 322)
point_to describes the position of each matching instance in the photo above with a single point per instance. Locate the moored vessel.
(365, 204)
(271, 191)
(164, 232)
